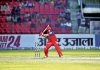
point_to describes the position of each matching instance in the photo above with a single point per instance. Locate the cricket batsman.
(52, 40)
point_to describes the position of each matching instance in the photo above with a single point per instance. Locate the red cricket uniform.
(52, 40)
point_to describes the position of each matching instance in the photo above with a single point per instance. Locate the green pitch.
(72, 60)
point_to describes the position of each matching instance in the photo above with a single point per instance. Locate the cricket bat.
(41, 33)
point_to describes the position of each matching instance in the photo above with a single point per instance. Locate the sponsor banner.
(97, 40)
(65, 41)
(18, 40)
(76, 40)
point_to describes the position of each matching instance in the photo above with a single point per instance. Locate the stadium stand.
(25, 17)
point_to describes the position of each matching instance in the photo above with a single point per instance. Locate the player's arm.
(45, 31)
(45, 35)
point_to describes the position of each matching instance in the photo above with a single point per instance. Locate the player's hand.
(46, 35)
(41, 34)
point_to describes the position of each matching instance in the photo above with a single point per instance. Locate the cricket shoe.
(60, 55)
(45, 56)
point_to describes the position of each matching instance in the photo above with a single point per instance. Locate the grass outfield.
(72, 60)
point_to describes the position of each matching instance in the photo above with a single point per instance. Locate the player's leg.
(58, 49)
(48, 45)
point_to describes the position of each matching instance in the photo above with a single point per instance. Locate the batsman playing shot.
(52, 40)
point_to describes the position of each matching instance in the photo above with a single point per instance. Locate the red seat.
(8, 12)
(32, 30)
(18, 28)
(36, 9)
(62, 30)
(69, 30)
(0, 19)
(61, 10)
(57, 11)
(52, 18)
(27, 27)
(17, 3)
(3, 18)
(31, 10)
(8, 28)
(22, 28)
(2, 31)
(42, 10)
(22, 17)
(47, 9)
(27, 10)
(22, 11)
(52, 8)
(13, 29)
(47, 6)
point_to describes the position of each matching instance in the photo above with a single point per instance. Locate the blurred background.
(32, 16)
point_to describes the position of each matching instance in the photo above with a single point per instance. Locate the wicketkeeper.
(52, 40)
